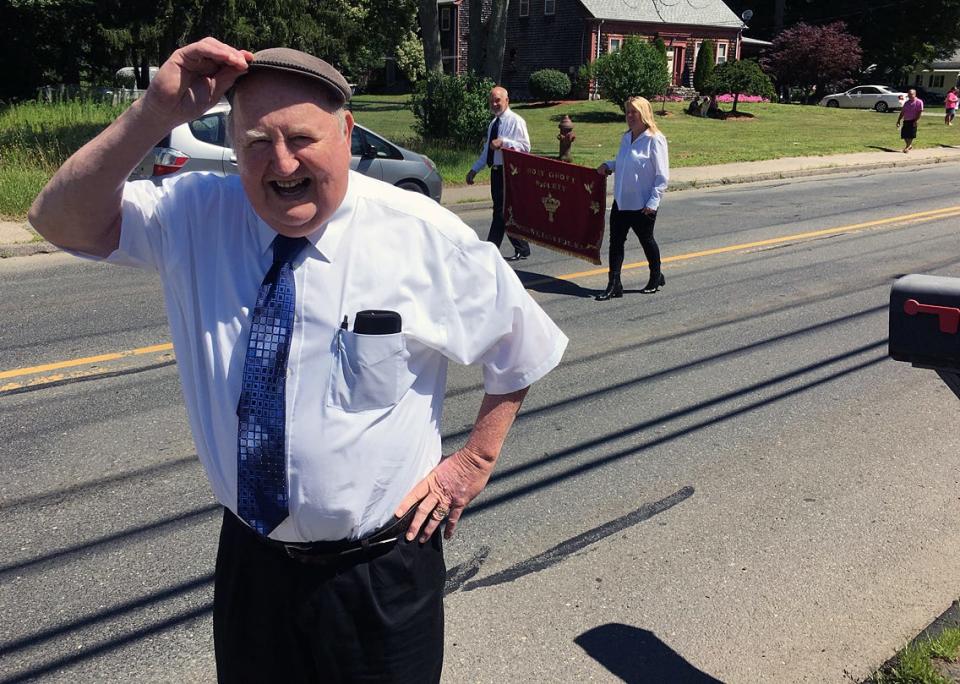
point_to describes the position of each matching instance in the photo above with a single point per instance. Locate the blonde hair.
(642, 106)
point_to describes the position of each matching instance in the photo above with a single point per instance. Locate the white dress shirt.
(363, 411)
(513, 135)
(642, 169)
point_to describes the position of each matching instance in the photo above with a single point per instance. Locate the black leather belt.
(344, 550)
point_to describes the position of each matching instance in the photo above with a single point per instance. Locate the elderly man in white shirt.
(506, 130)
(313, 312)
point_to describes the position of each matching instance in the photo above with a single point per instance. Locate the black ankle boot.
(614, 288)
(655, 283)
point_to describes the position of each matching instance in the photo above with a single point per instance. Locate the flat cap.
(297, 62)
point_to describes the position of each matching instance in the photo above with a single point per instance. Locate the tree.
(429, 19)
(706, 63)
(812, 57)
(637, 68)
(409, 54)
(741, 77)
(487, 38)
(894, 36)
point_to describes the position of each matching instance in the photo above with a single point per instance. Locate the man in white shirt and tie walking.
(507, 130)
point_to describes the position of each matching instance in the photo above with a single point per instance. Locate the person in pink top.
(950, 105)
(909, 117)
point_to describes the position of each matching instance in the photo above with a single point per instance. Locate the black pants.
(497, 225)
(642, 224)
(276, 619)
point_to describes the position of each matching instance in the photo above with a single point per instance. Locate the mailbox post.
(925, 325)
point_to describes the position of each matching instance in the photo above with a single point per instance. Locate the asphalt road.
(724, 481)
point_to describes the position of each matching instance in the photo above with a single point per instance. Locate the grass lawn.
(927, 661)
(774, 131)
(35, 139)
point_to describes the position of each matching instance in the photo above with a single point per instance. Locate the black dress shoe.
(654, 284)
(614, 290)
(517, 256)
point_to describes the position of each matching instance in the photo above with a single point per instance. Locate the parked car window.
(361, 138)
(867, 90)
(854, 91)
(210, 129)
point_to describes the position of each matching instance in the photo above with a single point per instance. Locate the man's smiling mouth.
(290, 188)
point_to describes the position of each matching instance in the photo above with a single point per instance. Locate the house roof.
(695, 12)
(951, 62)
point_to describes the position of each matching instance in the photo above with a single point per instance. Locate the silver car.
(878, 97)
(201, 145)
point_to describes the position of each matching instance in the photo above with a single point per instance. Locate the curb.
(43, 247)
(949, 618)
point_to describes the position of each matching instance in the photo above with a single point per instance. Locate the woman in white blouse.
(642, 170)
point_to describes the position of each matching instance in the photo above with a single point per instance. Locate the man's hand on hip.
(445, 492)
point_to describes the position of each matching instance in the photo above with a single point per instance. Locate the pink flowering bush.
(727, 97)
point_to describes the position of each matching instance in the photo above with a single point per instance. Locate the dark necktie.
(261, 460)
(494, 134)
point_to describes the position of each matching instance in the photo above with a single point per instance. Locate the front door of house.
(678, 63)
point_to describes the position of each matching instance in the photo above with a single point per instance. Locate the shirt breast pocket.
(369, 371)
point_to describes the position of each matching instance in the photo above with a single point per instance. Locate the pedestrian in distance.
(313, 311)
(641, 172)
(909, 119)
(950, 106)
(507, 130)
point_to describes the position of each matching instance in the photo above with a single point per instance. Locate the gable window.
(721, 53)
(444, 18)
(549, 7)
(614, 44)
(524, 8)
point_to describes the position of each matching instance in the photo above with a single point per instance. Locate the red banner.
(554, 204)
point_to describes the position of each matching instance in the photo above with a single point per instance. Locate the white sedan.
(878, 97)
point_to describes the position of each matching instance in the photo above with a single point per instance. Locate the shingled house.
(563, 34)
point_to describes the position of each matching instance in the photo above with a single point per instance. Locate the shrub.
(549, 84)
(637, 68)
(452, 108)
(410, 60)
(706, 63)
(581, 82)
(741, 77)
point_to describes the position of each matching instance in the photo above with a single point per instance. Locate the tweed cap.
(308, 66)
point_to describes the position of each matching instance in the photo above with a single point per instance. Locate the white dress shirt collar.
(327, 238)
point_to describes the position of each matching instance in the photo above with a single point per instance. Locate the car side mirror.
(369, 152)
(925, 325)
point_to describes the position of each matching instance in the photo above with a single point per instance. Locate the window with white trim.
(524, 8)
(721, 53)
(918, 81)
(936, 81)
(444, 18)
(614, 44)
(549, 7)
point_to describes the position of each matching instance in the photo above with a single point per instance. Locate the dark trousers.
(642, 224)
(276, 619)
(497, 225)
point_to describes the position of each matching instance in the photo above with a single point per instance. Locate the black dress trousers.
(277, 619)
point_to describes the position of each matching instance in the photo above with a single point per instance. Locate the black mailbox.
(925, 321)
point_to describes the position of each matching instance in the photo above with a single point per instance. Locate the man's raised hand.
(194, 79)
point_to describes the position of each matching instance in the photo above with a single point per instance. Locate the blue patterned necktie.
(261, 460)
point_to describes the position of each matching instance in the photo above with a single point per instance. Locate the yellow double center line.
(89, 366)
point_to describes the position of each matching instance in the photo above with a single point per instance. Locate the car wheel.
(881, 107)
(833, 103)
(412, 186)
